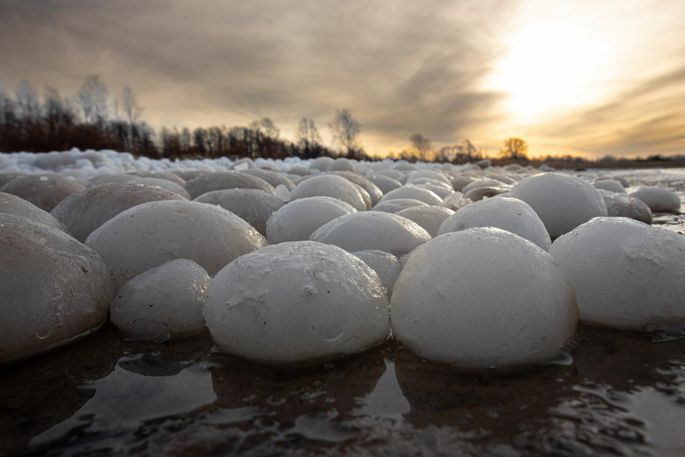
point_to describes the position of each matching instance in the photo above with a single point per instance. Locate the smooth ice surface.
(659, 199)
(428, 217)
(563, 202)
(296, 302)
(506, 213)
(627, 275)
(398, 204)
(162, 303)
(298, 219)
(384, 183)
(52, 288)
(330, 186)
(154, 233)
(44, 191)
(372, 230)
(413, 192)
(11, 204)
(385, 264)
(611, 185)
(87, 210)
(273, 178)
(225, 180)
(374, 192)
(623, 205)
(459, 299)
(253, 205)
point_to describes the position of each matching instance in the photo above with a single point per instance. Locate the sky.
(570, 77)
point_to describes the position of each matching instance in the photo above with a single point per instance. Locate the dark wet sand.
(623, 395)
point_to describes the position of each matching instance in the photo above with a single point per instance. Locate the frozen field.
(331, 307)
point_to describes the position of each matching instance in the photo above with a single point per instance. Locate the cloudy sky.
(576, 77)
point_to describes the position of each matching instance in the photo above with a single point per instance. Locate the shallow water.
(623, 395)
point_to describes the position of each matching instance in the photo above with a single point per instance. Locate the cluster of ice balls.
(289, 262)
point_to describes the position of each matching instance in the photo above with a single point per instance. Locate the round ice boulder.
(44, 191)
(162, 184)
(321, 163)
(563, 202)
(298, 219)
(154, 233)
(459, 300)
(385, 183)
(372, 230)
(611, 185)
(506, 213)
(253, 205)
(87, 210)
(479, 193)
(398, 204)
(428, 217)
(53, 289)
(627, 275)
(11, 204)
(375, 194)
(225, 180)
(385, 264)
(330, 186)
(273, 178)
(659, 199)
(456, 201)
(623, 205)
(296, 302)
(341, 164)
(162, 303)
(413, 192)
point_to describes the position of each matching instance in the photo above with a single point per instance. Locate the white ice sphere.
(505, 213)
(413, 192)
(398, 204)
(321, 163)
(44, 191)
(659, 199)
(161, 175)
(481, 183)
(385, 264)
(253, 205)
(154, 233)
(162, 303)
(417, 176)
(461, 181)
(563, 202)
(11, 204)
(225, 180)
(162, 184)
(374, 192)
(456, 201)
(479, 193)
(53, 289)
(372, 230)
(330, 186)
(611, 185)
(385, 183)
(627, 275)
(298, 219)
(341, 164)
(428, 217)
(296, 302)
(87, 210)
(623, 205)
(459, 299)
(272, 177)
(440, 190)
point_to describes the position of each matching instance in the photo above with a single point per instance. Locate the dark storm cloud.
(401, 66)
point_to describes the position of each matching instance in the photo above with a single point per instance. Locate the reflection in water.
(624, 395)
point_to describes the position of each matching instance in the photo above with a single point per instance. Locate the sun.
(554, 62)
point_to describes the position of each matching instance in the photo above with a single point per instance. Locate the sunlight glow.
(555, 61)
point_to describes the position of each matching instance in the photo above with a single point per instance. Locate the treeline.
(92, 118)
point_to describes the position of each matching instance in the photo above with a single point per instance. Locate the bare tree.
(130, 105)
(346, 130)
(26, 100)
(266, 127)
(91, 98)
(307, 134)
(514, 148)
(422, 145)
